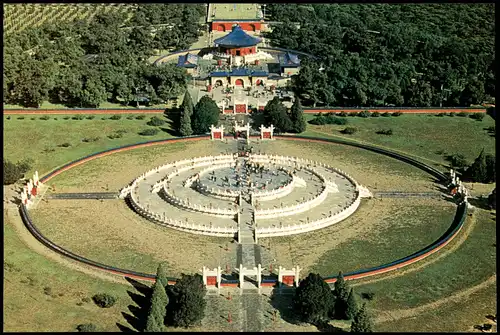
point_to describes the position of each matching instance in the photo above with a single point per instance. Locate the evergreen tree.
(352, 305)
(188, 303)
(187, 104)
(185, 124)
(297, 117)
(492, 199)
(362, 322)
(477, 172)
(275, 113)
(157, 310)
(206, 113)
(312, 299)
(491, 174)
(341, 294)
(161, 276)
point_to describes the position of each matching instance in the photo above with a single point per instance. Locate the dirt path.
(31, 242)
(393, 315)
(455, 244)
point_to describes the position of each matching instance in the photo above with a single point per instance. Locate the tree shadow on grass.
(480, 202)
(326, 327)
(139, 312)
(124, 329)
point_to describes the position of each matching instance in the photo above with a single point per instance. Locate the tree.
(187, 103)
(161, 276)
(12, 172)
(341, 294)
(492, 199)
(312, 299)
(352, 305)
(362, 322)
(477, 171)
(185, 124)
(490, 169)
(457, 161)
(275, 114)
(297, 117)
(206, 113)
(157, 310)
(188, 303)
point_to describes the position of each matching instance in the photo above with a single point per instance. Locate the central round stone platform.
(257, 195)
(246, 177)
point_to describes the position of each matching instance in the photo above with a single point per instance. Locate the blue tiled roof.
(289, 60)
(188, 60)
(237, 38)
(219, 74)
(240, 72)
(260, 73)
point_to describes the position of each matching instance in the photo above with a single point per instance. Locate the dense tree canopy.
(206, 113)
(313, 300)
(85, 64)
(188, 304)
(390, 54)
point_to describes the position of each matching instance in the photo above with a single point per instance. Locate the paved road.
(97, 195)
(407, 195)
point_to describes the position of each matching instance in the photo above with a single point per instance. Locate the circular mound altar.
(247, 194)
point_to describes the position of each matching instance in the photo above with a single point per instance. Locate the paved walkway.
(96, 195)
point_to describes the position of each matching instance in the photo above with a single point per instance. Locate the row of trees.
(390, 54)
(82, 64)
(179, 305)
(316, 303)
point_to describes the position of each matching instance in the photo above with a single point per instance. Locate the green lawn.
(407, 229)
(28, 309)
(420, 135)
(39, 140)
(472, 263)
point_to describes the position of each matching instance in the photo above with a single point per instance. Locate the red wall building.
(228, 25)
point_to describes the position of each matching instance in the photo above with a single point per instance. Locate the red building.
(227, 25)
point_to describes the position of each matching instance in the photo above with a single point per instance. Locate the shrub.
(103, 118)
(384, 131)
(65, 145)
(115, 117)
(156, 121)
(349, 130)
(45, 117)
(457, 160)
(342, 114)
(397, 114)
(463, 114)
(149, 132)
(86, 328)
(353, 114)
(90, 117)
(364, 114)
(12, 172)
(375, 114)
(130, 117)
(477, 116)
(55, 118)
(140, 117)
(339, 121)
(452, 114)
(440, 114)
(66, 118)
(8, 117)
(386, 114)
(121, 131)
(104, 300)
(319, 120)
(368, 295)
(32, 118)
(20, 118)
(115, 135)
(78, 117)
(90, 139)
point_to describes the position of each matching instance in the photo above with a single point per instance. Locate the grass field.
(473, 262)
(427, 137)
(243, 11)
(39, 139)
